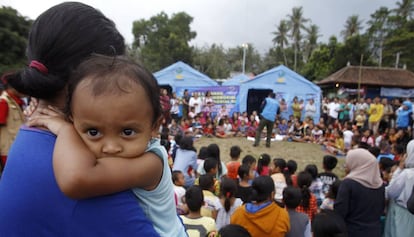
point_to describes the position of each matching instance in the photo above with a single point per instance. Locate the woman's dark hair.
(312, 170)
(60, 39)
(187, 143)
(264, 160)
(214, 152)
(262, 187)
(194, 198)
(328, 224)
(304, 182)
(232, 230)
(281, 163)
(116, 75)
(228, 189)
(243, 171)
(292, 197)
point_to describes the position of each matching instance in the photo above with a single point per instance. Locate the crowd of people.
(270, 197)
(373, 136)
(88, 160)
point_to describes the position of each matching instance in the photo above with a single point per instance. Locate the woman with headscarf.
(404, 113)
(399, 221)
(360, 200)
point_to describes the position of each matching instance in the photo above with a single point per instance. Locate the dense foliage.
(384, 40)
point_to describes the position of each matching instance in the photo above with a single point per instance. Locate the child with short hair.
(179, 191)
(263, 164)
(196, 224)
(100, 153)
(278, 170)
(244, 188)
(211, 201)
(328, 202)
(232, 230)
(299, 222)
(316, 186)
(328, 177)
(234, 164)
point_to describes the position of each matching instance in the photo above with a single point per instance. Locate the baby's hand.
(30, 109)
(50, 118)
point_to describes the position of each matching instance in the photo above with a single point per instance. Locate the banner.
(397, 92)
(222, 95)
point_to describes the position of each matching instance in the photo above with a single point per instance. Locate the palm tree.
(280, 38)
(352, 27)
(405, 9)
(312, 39)
(377, 31)
(296, 23)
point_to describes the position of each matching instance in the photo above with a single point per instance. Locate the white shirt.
(333, 109)
(348, 137)
(196, 103)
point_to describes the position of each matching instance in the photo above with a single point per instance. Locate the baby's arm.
(80, 175)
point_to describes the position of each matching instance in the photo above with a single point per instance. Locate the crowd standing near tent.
(345, 130)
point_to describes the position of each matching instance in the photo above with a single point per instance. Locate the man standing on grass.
(267, 118)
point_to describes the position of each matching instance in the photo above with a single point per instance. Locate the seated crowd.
(265, 196)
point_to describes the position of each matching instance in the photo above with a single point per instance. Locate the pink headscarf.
(363, 168)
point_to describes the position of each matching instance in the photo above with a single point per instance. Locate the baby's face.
(113, 124)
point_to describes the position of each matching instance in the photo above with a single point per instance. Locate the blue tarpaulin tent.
(180, 74)
(284, 82)
(236, 81)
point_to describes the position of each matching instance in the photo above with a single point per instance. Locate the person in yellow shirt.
(376, 110)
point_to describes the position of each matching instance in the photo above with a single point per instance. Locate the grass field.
(302, 153)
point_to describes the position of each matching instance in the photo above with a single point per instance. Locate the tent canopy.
(181, 74)
(284, 82)
(236, 80)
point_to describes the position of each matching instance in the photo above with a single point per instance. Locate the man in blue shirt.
(267, 118)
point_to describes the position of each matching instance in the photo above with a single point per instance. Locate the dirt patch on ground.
(302, 153)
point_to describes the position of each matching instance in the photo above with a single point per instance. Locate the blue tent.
(180, 74)
(285, 83)
(236, 80)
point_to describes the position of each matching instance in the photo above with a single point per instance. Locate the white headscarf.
(363, 168)
(409, 162)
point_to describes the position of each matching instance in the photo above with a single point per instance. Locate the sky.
(229, 23)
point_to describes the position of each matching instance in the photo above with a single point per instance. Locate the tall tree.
(311, 40)
(296, 23)
(281, 37)
(162, 40)
(14, 30)
(353, 26)
(377, 31)
(405, 9)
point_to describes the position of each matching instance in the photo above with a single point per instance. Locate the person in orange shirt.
(262, 217)
(234, 164)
